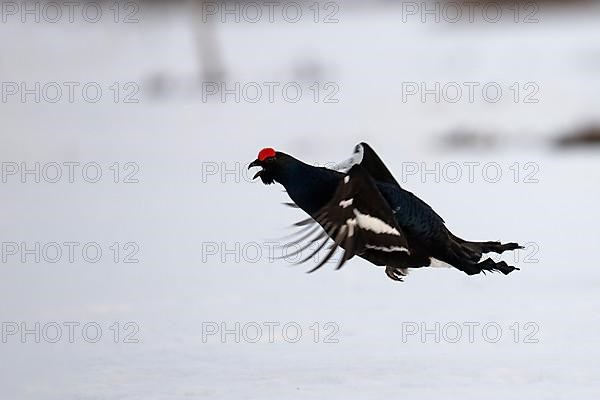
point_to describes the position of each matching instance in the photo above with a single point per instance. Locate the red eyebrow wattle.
(266, 153)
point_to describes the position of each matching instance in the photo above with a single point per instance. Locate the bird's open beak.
(255, 163)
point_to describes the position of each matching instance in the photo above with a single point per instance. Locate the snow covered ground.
(533, 334)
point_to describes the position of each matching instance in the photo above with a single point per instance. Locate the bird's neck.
(308, 186)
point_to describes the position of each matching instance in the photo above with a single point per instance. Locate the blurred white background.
(180, 141)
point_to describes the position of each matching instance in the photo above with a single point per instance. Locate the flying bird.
(362, 208)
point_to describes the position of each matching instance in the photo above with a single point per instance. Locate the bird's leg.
(395, 274)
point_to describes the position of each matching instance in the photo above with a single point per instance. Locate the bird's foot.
(396, 274)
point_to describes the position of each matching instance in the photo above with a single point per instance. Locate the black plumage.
(364, 210)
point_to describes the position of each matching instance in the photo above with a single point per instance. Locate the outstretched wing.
(358, 219)
(365, 156)
(415, 215)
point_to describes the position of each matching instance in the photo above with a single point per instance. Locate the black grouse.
(363, 209)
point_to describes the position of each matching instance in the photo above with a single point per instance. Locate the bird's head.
(272, 164)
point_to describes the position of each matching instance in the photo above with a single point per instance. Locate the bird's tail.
(477, 249)
(467, 256)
